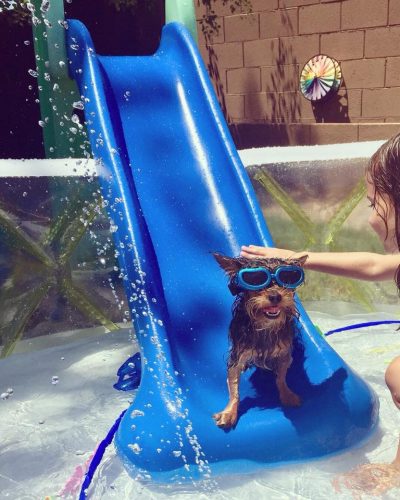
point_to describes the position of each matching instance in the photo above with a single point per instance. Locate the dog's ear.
(300, 261)
(229, 264)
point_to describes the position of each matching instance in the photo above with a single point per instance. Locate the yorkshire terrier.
(261, 331)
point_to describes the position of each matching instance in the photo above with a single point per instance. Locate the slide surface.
(176, 191)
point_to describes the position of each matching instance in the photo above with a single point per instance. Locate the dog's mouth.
(272, 311)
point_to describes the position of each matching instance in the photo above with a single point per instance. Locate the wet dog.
(261, 331)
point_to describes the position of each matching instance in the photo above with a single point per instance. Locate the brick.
(218, 8)
(297, 134)
(235, 106)
(279, 23)
(210, 34)
(219, 85)
(376, 132)
(262, 106)
(364, 73)
(394, 12)
(392, 72)
(261, 52)
(353, 100)
(240, 28)
(322, 18)
(243, 81)
(264, 5)
(381, 102)
(333, 133)
(280, 78)
(296, 3)
(382, 42)
(228, 55)
(343, 107)
(216, 72)
(298, 49)
(204, 53)
(343, 45)
(294, 107)
(370, 120)
(364, 13)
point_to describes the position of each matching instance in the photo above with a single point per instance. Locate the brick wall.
(255, 59)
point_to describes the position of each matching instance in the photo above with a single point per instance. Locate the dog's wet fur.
(261, 333)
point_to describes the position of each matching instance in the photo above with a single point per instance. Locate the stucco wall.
(255, 59)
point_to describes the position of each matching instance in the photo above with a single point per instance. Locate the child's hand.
(253, 252)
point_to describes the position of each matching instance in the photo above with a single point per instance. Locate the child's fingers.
(252, 249)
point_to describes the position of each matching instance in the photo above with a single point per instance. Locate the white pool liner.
(250, 157)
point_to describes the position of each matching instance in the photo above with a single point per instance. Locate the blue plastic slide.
(176, 191)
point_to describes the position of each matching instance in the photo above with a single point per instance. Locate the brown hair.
(383, 171)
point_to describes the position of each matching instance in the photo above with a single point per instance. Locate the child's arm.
(358, 265)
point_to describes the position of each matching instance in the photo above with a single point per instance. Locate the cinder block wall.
(255, 59)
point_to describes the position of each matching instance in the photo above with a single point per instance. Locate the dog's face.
(271, 306)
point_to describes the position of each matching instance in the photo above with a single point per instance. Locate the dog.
(261, 331)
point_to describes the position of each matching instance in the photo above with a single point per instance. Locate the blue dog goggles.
(256, 278)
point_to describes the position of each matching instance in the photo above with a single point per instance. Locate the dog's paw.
(289, 398)
(225, 419)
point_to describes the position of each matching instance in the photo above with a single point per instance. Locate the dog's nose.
(274, 298)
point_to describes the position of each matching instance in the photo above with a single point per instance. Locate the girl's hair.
(383, 171)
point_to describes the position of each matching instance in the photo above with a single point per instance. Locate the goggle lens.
(261, 277)
(255, 278)
(290, 277)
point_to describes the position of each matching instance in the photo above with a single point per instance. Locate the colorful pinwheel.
(320, 78)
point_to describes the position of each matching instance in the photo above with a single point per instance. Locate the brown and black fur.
(256, 339)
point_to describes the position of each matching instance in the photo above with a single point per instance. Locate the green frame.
(64, 138)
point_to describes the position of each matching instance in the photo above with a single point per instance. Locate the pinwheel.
(320, 78)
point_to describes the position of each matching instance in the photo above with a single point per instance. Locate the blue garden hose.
(362, 325)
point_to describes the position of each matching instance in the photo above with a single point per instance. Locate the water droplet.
(54, 379)
(135, 448)
(4, 395)
(33, 73)
(62, 23)
(24, 194)
(41, 123)
(45, 6)
(61, 64)
(27, 42)
(137, 413)
(177, 453)
(78, 105)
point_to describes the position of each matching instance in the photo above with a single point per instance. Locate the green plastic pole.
(184, 12)
(63, 135)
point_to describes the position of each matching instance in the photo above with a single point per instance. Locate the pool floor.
(63, 404)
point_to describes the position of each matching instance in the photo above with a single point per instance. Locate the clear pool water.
(63, 404)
